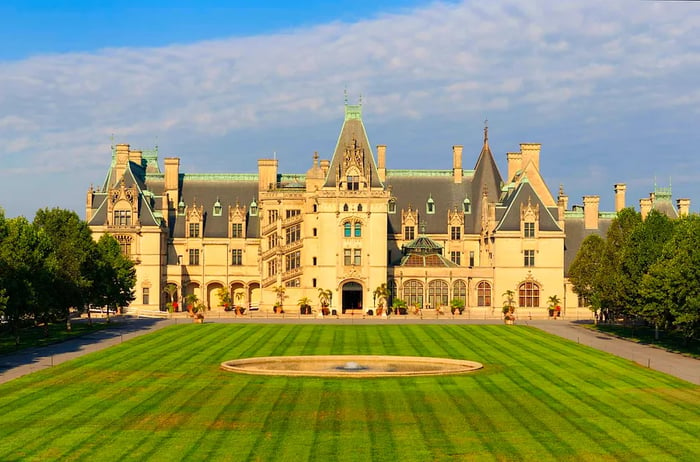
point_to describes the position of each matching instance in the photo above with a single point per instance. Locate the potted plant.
(304, 305)
(400, 306)
(457, 305)
(240, 297)
(171, 290)
(224, 298)
(324, 298)
(279, 303)
(554, 307)
(381, 294)
(509, 307)
(195, 308)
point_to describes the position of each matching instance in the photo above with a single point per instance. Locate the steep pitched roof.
(353, 134)
(486, 177)
(508, 213)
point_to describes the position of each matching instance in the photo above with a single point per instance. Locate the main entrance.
(352, 296)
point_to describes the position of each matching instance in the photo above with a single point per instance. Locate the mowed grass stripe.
(382, 445)
(327, 426)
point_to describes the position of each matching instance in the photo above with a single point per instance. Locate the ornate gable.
(122, 206)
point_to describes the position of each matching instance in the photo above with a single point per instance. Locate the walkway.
(34, 359)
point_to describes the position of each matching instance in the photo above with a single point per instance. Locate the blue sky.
(609, 88)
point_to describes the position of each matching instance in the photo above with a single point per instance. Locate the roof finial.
(359, 102)
(345, 95)
(486, 130)
(422, 227)
(111, 140)
(561, 189)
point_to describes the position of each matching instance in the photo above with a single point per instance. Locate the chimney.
(515, 163)
(683, 207)
(172, 180)
(325, 165)
(381, 162)
(562, 204)
(135, 157)
(531, 153)
(620, 196)
(88, 203)
(267, 174)
(590, 211)
(645, 207)
(122, 159)
(457, 163)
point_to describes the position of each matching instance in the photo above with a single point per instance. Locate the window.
(293, 283)
(122, 218)
(292, 213)
(124, 244)
(358, 229)
(456, 257)
(272, 215)
(529, 259)
(181, 208)
(347, 229)
(392, 206)
(146, 296)
(471, 258)
(357, 257)
(194, 257)
(459, 291)
(293, 260)
(352, 257)
(413, 293)
(347, 257)
(455, 233)
(430, 206)
(438, 293)
(529, 294)
(466, 206)
(483, 294)
(313, 282)
(583, 301)
(529, 229)
(346, 208)
(359, 207)
(237, 257)
(217, 208)
(315, 232)
(353, 183)
(272, 268)
(272, 241)
(253, 209)
(292, 234)
(393, 290)
(236, 230)
(194, 230)
(314, 261)
(409, 233)
(315, 208)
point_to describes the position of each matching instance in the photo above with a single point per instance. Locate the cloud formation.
(601, 72)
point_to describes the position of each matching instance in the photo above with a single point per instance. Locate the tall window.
(455, 233)
(146, 296)
(292, 234)
(347, 229)
(430, 206)
(124, 244)
(194, 257)
(358, 229)
(409, 233)
(357, 257)
(293, 260)
(529, 229)
(529, 258)
(466, 206)
(456, 257)
(438, 293)
(471, 258)
(292, 213)
(272, 215)
(529, 294)
(272, 240)
(122, 217)
(272, 268)
(459, 291)
(237, 256)
(237, 230)
(194, 229)
(483, 294)
(353, 182)
(347, 257)
(392, 206)
(413, 292)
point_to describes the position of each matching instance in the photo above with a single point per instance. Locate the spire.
(486, 134)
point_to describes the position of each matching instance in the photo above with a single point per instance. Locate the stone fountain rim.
(450, 366)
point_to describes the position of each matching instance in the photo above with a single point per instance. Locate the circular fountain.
(350, 366)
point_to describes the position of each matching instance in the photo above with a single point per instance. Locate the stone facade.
(347, 225)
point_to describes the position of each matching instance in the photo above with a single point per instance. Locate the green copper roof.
(353, 111)
(221, 176)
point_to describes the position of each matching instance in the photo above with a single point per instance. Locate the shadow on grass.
(669, 341)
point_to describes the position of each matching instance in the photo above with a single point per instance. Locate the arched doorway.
(351, 296)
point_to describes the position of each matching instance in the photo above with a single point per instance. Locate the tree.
(381, 294)
(671, 287)
(71, 242)
(171, 289)
(117, 276)
(585, 270)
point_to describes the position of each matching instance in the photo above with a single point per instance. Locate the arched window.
(430, 205)
(529, 294)
(413, 293)
(358, 229)
(459, 291)
(347, 229)
(466, 206)
(122, 217)
(483, 294)
(346, 208)
(438, 293)
(392, 206)
(359, 207)
(253, 210)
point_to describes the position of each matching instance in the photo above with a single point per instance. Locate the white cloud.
(553, 60)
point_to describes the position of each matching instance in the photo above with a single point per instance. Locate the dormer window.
(392, 206)
(181, 208)
(353, 183)
(529, 229)
(253, 209)
(467, 206)
(217, 208)
(430, 206)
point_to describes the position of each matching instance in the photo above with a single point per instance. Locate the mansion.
(347, 226)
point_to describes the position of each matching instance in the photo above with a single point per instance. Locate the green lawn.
(36, 336)
(163, 397)
(671, 341)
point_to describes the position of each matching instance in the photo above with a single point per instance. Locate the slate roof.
(576, 233)
(508, 213)
(486, 175)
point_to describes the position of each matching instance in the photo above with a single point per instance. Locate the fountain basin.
(350, 366)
